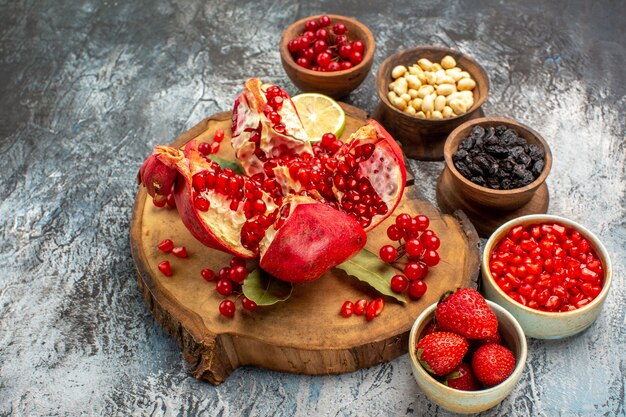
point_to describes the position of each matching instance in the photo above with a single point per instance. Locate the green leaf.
(223, 163)
(367, 267)
(264, 289)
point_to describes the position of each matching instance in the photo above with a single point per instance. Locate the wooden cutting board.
(305, 334)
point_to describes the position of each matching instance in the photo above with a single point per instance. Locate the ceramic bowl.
(484, 196)
(335, 84)
(541, 324)
(467, 402)
(424, 138)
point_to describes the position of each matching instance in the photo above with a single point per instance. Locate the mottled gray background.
(88, 87)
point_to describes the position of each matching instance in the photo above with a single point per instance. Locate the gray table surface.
(87, 88)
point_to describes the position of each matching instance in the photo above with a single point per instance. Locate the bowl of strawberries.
(467, 353)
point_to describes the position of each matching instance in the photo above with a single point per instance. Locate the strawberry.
(431, 328)
(476, 343)
(462, 378)
(441, 352)
(492, 364)
(466, 312)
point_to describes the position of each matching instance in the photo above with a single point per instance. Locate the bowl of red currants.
(550, 272)
(327, 54)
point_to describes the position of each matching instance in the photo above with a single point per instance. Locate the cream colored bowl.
(542, 324)
(468, 402)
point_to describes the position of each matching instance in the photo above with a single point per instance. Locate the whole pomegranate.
(301, 207)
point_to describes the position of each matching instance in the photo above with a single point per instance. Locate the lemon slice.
(319, 114)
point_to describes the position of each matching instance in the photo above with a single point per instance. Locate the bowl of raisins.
(327, 54)
(551, 273)
(496, 163)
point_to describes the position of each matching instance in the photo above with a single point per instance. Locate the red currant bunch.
(416, 249)
(324, 46)
(229, 281)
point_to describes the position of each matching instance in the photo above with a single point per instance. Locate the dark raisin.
(459, 155)
(467, 144)
(478, 132)
(478, 180)
(500, 130)
(463, 169)
(475, 169)
(537, 167)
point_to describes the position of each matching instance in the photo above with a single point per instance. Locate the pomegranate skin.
(314, 239)
(158, 173)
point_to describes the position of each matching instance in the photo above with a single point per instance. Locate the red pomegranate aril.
(159, 202)
(224, 272)
(215, 147)
(170, 200)
(347, 309)
(417, 289)
(208, 274)
(248, 304)
(166, 246)
(166, 268)
(180, 252)
(374, 309)
(399, 283)
(227, 308)
(201, 203)
(204, 148)
(224, 287)
(360, 306)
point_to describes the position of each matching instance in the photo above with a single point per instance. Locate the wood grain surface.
(88, 88)
(305, 334)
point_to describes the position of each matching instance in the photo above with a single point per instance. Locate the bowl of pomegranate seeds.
(328, 54)
(551, 273)
(467, 353)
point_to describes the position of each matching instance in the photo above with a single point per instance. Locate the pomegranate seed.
(159, 201)
(204, 148)
(374, 309)
(166, 246)
(171, 201)
(360, 306)
(201, 203)
(179, 252)
(215, 147)
(218, 136)
(166, 268)
(248, 304)
(347, 309)
(207, 274)
(237, 261)
(227, 308)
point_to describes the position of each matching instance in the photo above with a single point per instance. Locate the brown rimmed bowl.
(424, 138)
(483, 196)
(543, 324)
(335, 84)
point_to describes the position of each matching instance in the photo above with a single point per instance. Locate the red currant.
(347, 309)
(403, 220)
(321, 34)
(224, 287)
(319, 46)
(358, 46)
(356, 57)
(432, 242)
(323, 59)
(334, 66)
(345, 51)
(303, 62)
(422, 222)
(339, 29)
(324, 21)
(208, 274)
(394, 232)
(248, 304)
(227, 308)
(237, 261)
(224, 273)
(388, 253)
(346, 65)
(311, 25)
(415, 270)
(414, 248)
(238, 274)
(417, 289)
(430, 257)
(399, 283)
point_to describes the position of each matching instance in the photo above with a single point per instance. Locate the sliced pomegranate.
(301, 208)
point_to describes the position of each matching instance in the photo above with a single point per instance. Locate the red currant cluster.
(322, 48)
(361, 306)
(206, 148)
(229, 281)
(419, 244)
(167, 246)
